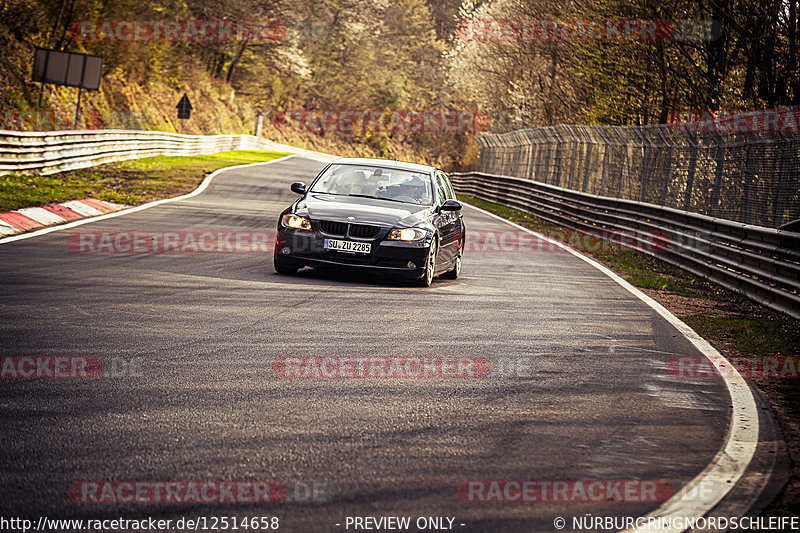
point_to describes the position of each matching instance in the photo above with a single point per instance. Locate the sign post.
(259, 123)
(77, 110)
(184, 109)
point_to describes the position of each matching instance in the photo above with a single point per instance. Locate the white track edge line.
(729, 464)
(206, 182)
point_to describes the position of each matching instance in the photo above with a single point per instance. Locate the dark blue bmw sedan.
(388, 217)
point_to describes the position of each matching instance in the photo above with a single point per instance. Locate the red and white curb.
(29, 218)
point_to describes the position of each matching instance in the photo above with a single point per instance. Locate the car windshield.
(376, 182)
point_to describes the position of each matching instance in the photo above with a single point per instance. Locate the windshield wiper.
(377, 198)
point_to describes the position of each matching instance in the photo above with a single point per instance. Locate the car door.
(460, 229)
(448, 222)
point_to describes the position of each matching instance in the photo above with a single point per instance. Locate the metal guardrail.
(761, 263)
(58, 151)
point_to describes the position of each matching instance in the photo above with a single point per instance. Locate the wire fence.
(743, 167)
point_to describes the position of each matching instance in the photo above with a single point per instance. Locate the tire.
(284, 267)
(453, 274)
(430, 265)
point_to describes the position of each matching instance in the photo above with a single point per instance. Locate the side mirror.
(451, 205)
(299, 187)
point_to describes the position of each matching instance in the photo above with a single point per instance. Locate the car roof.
(385, 163)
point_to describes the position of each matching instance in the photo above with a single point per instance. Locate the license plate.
(348, 246)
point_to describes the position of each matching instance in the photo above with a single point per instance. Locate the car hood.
(374, 211)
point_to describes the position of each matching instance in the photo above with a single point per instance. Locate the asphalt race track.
(189, 341)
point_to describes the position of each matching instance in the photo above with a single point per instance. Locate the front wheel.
(456, 271)
(430, 266)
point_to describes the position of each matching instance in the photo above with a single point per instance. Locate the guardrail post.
(606, 159)
(559, 158)
(521, 151)
(667, 175)
(749, 174)
(532, 153)
(538, 172)
(625, 163)
(503, 150)
(645, 163)
(687, 195)
(783, 181)
(575, 146)
(663, 170)
(588, 164)
(718, 171)
(551, 156)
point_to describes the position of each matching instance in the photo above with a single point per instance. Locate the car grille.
(333, 228)
(360, 231)
(340, 229)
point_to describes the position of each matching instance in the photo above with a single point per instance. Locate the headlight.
(407, 234)
(296, 222)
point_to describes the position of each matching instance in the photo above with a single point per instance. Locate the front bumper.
(306, 248)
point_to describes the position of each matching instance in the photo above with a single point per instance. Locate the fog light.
(411, 265)
(286, 251)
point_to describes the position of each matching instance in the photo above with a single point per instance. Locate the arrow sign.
(184, 107)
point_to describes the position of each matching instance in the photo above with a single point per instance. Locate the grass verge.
(130, 182)
(733, 324)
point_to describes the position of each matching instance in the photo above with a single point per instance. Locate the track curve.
(586, 395)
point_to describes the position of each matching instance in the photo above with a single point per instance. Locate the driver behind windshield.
(415, 188)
